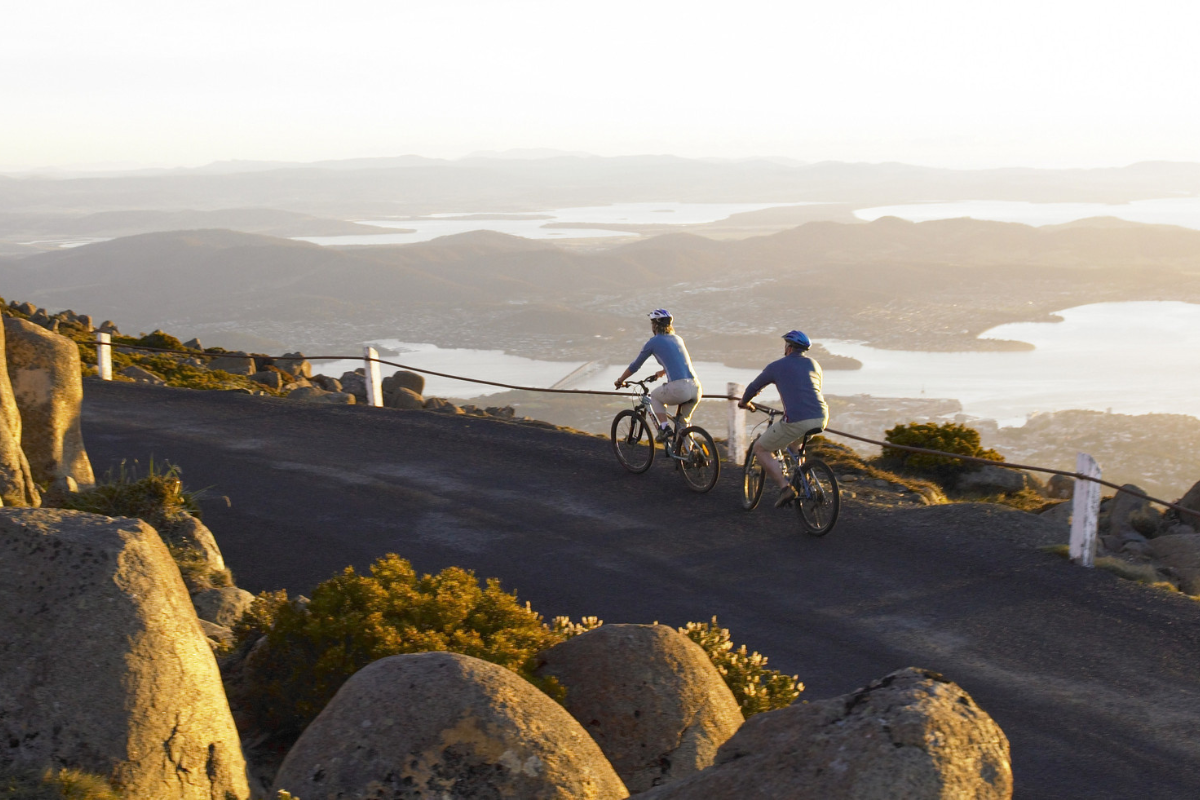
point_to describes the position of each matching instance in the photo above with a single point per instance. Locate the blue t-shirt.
(669, 351)
(798, 379)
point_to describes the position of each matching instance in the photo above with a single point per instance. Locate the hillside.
(112, 224)
(933, 285)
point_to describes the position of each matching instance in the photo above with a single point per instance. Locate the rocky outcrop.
(1060, 487)
(1181, 553)
(139, 375)
(16, 480)
(103, 664)
(311, 394)
(649, 696)
(403, 379)
(223, 606)
(912, 735)
(187, 531)
(355, 383)
(405, 398)
(272, 379)
(234, 363)
(44, 370)
(445, 725)
(993, 480)
(294, 364)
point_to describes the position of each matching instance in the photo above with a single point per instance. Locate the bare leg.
(770, 465)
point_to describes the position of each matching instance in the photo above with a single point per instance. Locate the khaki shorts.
(781, 433)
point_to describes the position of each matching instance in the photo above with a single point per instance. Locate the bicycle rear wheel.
(819, 500)
(752, 479)
(701, 462)
(632, 442)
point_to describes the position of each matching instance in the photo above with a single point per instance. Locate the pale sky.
(959, 84)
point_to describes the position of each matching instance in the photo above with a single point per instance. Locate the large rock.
(405, 398)
(234, 364)
(16, 480)
(136, 373)
(295, 364)
(993, 480)
(187, 531)
(355, 383)
(910, 736)
(403, 379)
(311, 394)
(1180, 552)
(270, 378)
(1191, 501)
(45, 373)
(103, 664)
(224, 605)
(1122, 508)
(649, 696)
(445, 725)
(1060, 487)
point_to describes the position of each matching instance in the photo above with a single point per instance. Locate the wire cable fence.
(1079, 476)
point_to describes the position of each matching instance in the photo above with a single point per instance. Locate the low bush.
(313, 648)
(157, 497)
(948, 437)
(755, 687)
(63, 784)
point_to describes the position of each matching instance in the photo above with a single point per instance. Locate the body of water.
(1132, 358)
(533, 224)
(1183, 211)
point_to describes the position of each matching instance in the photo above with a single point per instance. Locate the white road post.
(737, 424)
(104, 356)
(1085, 513)
(374, 382)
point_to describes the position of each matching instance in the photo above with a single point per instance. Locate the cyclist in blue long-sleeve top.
(798, 379)
(682, 387)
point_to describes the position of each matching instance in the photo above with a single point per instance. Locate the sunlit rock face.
(16, 482)
(103, 664)
(445, 725)
(912, 735)
(44, 370)
(649, 696)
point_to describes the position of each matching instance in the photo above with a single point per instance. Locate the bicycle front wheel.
(701, 462)
(752, 479)
(632, 441)
(819, 500)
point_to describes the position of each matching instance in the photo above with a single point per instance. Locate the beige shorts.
(780, 434)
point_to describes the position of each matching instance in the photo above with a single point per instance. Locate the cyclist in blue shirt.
(798, 379)
(682, 387)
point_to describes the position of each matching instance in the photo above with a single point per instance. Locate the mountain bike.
(691, 448)
(818, 498)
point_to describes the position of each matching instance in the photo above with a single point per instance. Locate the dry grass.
(845, 460)
(49, 784)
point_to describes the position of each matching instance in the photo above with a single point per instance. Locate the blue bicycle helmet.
(798, 339)
(659, 313)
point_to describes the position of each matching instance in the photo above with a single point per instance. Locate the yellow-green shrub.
(949, 437)
(755, 687)
(352, 620)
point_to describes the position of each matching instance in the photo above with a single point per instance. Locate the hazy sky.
(944, 83)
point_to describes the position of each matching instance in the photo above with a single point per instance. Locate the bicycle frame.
(645, 409)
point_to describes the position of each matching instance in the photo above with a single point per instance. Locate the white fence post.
(1085, 513)
(737, 424)
(374, 382)
(104, 356)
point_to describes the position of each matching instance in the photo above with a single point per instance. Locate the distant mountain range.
(414, 185)
(933, 285)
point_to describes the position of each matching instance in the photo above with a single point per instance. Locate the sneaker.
(786, 495)
(663, 435)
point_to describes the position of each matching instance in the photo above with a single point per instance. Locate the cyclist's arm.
(624, 376)
(763, 380)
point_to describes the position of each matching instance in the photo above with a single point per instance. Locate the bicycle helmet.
(797, 339)
(659, 313)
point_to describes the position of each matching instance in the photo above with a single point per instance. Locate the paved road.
(1093, 679)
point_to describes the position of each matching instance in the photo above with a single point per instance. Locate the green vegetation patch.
(352, 620)
(948, 437)
(755, 687)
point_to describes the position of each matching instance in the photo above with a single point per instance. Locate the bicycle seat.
(814, 432)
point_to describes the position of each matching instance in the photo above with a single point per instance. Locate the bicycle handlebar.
(642, 383)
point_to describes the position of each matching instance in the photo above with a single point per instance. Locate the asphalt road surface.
(1093, 679)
